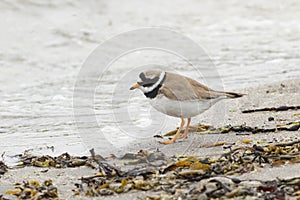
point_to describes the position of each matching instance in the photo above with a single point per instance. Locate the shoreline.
(284, 93)
(271, 95)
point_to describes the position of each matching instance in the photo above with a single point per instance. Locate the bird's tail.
(233, 94)
(226, 94)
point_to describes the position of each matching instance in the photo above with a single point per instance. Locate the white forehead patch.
(151, 77)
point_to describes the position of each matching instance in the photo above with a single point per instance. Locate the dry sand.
(285, 93)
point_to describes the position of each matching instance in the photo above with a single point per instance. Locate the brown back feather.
(179, 87)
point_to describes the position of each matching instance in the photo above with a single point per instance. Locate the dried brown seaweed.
(34, 190)
(3, 168)
(180, 177)
(276, 109)
(232, 188)
(242, 129)
(185, 177)
(62, 161)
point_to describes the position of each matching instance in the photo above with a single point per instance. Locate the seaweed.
(3, 168)
(244, 129)
(185, 177)
(62, 161)
(276, 109)
(182, 175)
(34, 190)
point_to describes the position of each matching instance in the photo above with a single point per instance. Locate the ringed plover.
(178, 96)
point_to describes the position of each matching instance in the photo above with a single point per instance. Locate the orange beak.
(135, 86)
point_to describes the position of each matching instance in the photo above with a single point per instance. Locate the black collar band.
(152, 94)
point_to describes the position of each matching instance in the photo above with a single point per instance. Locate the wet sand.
(286, 93)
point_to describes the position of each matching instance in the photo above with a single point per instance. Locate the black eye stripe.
(145, 84)
(148, 84)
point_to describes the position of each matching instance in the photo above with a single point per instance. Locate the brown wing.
(204, 92)
(179, 87)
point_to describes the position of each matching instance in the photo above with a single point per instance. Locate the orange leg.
(186, 129)
(176, 135)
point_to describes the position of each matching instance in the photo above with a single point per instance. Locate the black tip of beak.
(135, 86)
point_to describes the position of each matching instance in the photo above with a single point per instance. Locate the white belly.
(185, 109)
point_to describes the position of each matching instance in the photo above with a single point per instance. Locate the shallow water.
(43, 46)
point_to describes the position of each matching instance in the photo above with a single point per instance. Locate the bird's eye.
(145, 84)
(148, 84)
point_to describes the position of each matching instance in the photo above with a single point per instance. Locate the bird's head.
(149, 80)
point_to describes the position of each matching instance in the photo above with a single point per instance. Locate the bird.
(178, 96)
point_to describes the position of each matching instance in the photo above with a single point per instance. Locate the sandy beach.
(52, 114)
(284, 93)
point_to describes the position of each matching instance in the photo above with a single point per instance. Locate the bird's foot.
(168, 141)
(183, 136)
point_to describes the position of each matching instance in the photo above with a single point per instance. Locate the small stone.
(271, 119)
(105, 192)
